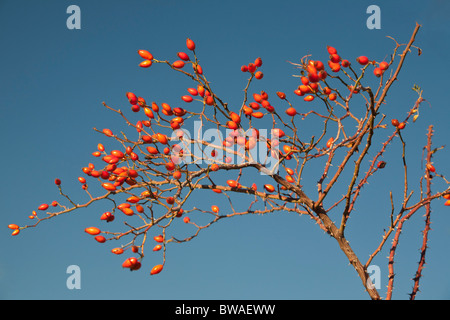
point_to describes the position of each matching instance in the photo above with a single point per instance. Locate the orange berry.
(381, 164)
(215, 209)
(161, 138)
(15, 232)
(259, 75)
(145, 54)
(308, 98)
(401, 125)
(183, 56)
(232, 183)
(133, 199)
(197, 68)
(331, 50)
(363, 60)
(156, 269)
(447, 203)
(139, 208)
(145, 64)
(100, 239)
(281, 95)
(384, 65)
(186, 220)
(109, 186)
(177, 175)
(117, 250)
(178, 64)
(130, 262)
(395, 122)
(43, 206)
(335, 58)
(291, 111)
(232, 125)
(108, 132)
(345, 63)
(152, 150)
(187, 98)
(251, 67)
(430, 167)
(289, 179)
(377, 72)
(235, 117)
(257, 115)
(190, 44)
(269, 187)
(209, 100)
(278, 133)
(157, 247)
(132, 98)
(108, 216)
(92, 231)
(158, 238)
(170, 200)
(128, 211)
(330, 142)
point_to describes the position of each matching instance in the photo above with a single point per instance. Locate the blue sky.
(54, 80)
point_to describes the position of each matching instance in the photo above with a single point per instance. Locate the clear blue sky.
(53, 81)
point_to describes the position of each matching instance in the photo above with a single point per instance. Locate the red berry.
(291, 111)
(145, 54)
(384, 65)
(43, 206)
(363, 60)
(92, 231)
(232, 183)
(377, 72)
(190, 44)
(331, 50)
(178, 64)
(183, 56)
(259, 75)
(156, 269)
(100, 239)
(145, 64)
(187, 98)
